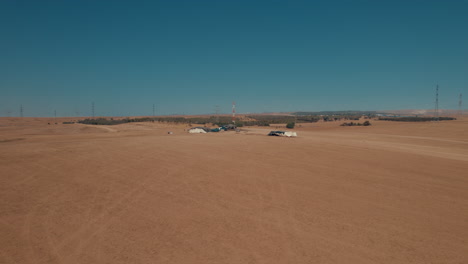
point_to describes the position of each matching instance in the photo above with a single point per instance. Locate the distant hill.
(423, 112)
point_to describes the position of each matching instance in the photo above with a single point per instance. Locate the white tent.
(196, 131)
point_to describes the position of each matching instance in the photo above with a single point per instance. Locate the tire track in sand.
(86, 232)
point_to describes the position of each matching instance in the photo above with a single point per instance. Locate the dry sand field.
(389, 193)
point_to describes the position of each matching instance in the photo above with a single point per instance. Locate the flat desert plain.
(389, 193)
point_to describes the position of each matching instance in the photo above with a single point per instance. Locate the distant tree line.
(112, 121)
(258, 120)
(251, 120)
(102, 121)
(182, 120)
(366, 123)
(328, 116)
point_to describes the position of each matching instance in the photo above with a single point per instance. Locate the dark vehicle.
(282, 133)
(228, 127)
(276, 133)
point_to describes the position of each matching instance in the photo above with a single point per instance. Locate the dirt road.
(389, 193)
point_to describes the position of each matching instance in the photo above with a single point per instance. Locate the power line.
(234, 112)
(436, 109)
(460, 111)
(21, 111)
(217, 113)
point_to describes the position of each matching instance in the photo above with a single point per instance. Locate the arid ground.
(389, 193)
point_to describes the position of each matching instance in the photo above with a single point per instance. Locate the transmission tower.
(460, 111)
(92, 109)
(217, 114)
(234, 112)
(21, 110)
(436, 109)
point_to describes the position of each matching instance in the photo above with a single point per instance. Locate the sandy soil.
(389, 193)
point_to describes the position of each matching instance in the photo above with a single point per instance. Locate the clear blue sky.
(188, 56)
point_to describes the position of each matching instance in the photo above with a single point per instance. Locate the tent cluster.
(198, 130)
(203, 130)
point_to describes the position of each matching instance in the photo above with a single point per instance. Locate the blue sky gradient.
(268, 56)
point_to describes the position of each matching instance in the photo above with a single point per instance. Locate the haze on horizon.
(186, 57)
